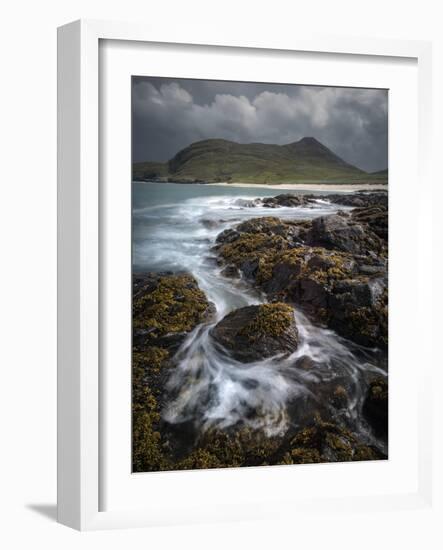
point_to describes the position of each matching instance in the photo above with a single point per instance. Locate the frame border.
(78, 255)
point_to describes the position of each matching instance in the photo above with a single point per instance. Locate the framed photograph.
(235, 247)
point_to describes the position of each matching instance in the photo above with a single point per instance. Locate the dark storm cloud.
(170, 114)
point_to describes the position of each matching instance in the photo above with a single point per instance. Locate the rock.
(305, 362)
(253, 333)
(230, 271)
(339, 398)
(333, 267)
(357, 313)
(283, 275)
(227, 236)
(338, 232)
(209, 224)
(376, 218)
(359, 199)
(328, 442)
(250, 268)
(370, 269)
(166, 307)
(375, 406)
(285, 199)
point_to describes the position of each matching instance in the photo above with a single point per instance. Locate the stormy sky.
(169, 114)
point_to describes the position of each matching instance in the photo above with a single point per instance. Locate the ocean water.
(174, 229)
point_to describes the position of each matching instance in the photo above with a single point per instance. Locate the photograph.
(259, 274)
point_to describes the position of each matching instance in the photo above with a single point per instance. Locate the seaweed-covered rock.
(165, 308)
(238, 447)
(341, 282)
(328, 442)
(255, 332)
(375, 406)
(148, 369)
(252, 253)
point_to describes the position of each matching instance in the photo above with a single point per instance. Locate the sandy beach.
(309, 186)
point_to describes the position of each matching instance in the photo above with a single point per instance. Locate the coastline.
(309, 186)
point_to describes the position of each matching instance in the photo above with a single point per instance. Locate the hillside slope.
(219, 160)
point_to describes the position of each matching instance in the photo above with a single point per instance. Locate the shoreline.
(334, 187)
(309, 186)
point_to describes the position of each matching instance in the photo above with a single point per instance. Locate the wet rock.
(230, 271)
(283, 275)
(338, 232)
(209, 224)
(166, 307)
(334, 268)
(227, 236)
(359, 199)
(376, 218)
(250, 268)
(370, 269)
(305, 362)
(339, 398)
(328, 442)
(211, 260)
(285, 199)
(375, 406)
(355, 312)
(253, 333)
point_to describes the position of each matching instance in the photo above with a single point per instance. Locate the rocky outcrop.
(166, 307)
(333, 267)
(361, 199)
(253, 333)
(286, 199)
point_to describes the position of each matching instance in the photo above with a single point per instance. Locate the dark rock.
(230, 271)
(376, 218)
(227, 236)
(339, 398)
(357, 312)
(209, 224)
(328, 442)
(375, 406)
(253, 333)
(284, 274)
(285, 199)
(334, 267)
(362, 199)
(250, 268)
(305, 362)
(312, 294)
(370, 269)
(337, 232)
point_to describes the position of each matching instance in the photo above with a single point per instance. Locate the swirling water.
(174, 229)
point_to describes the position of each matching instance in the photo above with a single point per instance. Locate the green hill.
(219, 160)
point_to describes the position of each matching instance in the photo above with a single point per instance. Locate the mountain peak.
(309, 140)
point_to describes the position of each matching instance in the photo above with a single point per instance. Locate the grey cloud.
(170, 114)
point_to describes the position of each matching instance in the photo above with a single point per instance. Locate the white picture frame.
(79, 265)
